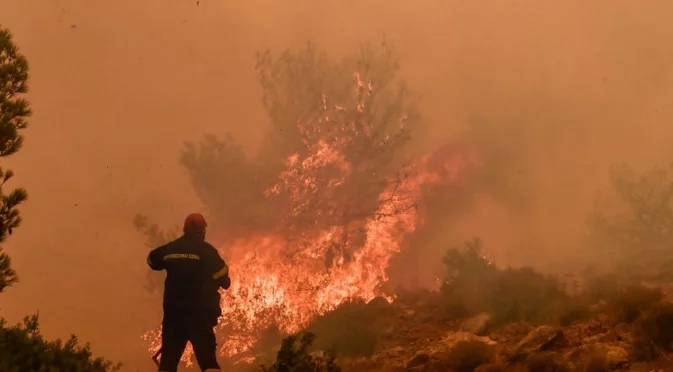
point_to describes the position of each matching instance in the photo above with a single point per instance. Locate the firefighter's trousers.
(197, 330)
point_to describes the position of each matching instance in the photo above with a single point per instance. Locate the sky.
(117, 87)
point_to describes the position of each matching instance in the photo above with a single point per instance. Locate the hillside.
(493, 319)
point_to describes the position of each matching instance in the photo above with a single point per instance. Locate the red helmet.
(195, 222)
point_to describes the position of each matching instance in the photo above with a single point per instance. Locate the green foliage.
(634, 228)
(475, 285)
(466, 356)
(295, 356)
(7, 274)
(22, 348)
(14, 110)
(14, 113)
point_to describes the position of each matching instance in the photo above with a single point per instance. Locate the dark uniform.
(195, 272)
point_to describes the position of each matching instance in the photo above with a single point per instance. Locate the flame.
(287, 278)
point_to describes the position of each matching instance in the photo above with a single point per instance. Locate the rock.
(420, 359)
(476, 324)
(512, 333)
(623, 332)
(398, 350)
(539, 339)
(452, 338)
(617, 355)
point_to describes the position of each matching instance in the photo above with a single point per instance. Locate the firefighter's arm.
(220, 270)
(222, 277)
(155, 260)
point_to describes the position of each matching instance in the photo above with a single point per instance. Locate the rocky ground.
(415, 339)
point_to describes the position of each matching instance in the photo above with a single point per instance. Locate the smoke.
(552, 94)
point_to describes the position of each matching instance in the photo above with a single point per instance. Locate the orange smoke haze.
(554, 92)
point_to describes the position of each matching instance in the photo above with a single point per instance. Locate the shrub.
(469, 279)
(466, 356)
(574, 309)
(22, 348)
(603, 287)
(631, 301)
(653, 332)
(353, 329)
(545, 362)
(474, 285)
(524, 295)
(295, 356)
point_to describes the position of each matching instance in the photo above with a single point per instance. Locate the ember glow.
(286, 278)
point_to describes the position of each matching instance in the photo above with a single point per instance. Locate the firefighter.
(194, 274)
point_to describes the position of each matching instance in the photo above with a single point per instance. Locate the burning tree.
(312, 220)
(312, 107)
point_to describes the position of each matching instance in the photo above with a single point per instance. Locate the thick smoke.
(551, 94)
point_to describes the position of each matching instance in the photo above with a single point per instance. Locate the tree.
(632, 227)
(14, 112)
(331, 162)
(22, 347)
(354, 112)
(312, 106)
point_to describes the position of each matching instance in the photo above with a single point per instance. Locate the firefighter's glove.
(225, 282)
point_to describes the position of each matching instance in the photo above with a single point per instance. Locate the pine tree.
(22, 347)
(14, 112)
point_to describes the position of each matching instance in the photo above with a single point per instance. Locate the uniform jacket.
(194, 274)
